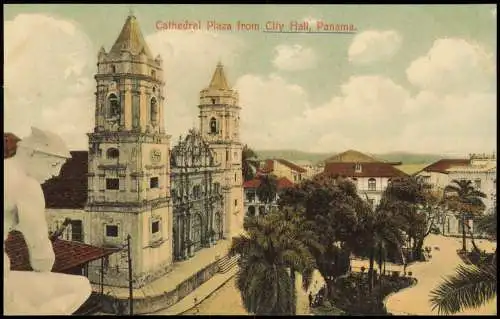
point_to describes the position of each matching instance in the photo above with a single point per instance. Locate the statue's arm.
(33, 225)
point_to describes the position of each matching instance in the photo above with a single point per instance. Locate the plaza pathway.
(415, 300)
(227, 299)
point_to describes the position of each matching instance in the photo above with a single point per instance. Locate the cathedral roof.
(219, 80)
(131, 39)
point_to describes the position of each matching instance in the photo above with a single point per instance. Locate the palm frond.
(470, 287)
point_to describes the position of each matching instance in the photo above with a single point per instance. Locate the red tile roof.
(373, 169)
(283, 183)
(442, 165)
(69, 189)
(69, 254)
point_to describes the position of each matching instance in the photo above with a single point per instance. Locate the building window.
(112, 69)
(111, 230)
(135, 85)
(154, 111)
(213, 125)
(112, 153)
(153, 74)
(213, 101)
(153, 182)
(112, 183)
(477, 182)
(114, 106)
(77, 231)
(235, 202)
(155, 226)
(216, 188)
(250, 196)
(372, 184)
(227, 155)
(251, 211)
(235, 177)
(357, 168)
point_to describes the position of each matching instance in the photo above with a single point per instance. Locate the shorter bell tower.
(220, 127)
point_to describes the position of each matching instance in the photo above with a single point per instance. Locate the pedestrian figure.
(310, 299)
(195, 301)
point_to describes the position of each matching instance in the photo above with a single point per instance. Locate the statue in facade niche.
(30, 162)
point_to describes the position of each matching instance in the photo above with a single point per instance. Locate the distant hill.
(404, 157)
(293, 155)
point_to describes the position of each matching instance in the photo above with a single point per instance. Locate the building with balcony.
(255, 207)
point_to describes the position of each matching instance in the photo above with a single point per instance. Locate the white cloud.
(265, 102)
(372, 114)
(47, 68)
(453, 65)
(189, 60)
(294, 57)
(373, 45)
(49, 83)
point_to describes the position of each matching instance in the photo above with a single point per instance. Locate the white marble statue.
(39, 292)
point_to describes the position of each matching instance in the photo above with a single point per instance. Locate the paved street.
(415, 300)
(227, 300)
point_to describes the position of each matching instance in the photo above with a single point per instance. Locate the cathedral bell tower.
(220, 127)
(129, 168)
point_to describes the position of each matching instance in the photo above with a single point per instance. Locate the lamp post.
(130, 288)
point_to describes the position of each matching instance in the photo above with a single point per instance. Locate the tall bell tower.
(129, 160)
(220, 127)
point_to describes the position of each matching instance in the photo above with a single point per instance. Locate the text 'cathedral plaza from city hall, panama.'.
(172, 201)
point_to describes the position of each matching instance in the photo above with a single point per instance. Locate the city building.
(283, 168)
(253, 205)
(437, 175)
(172, 202)
(481, 171)
(370, 176)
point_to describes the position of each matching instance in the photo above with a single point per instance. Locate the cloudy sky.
(413, 78)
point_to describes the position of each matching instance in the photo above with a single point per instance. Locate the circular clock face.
(155, 155)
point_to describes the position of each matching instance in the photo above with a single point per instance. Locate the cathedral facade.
(171, 201)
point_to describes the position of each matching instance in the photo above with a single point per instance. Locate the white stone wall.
(487, 184)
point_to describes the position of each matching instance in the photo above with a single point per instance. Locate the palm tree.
(466, 199)
(378, 231)
(471, 287)
(266, 252)
(292, 223)
(267, 189)
(248, 163)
